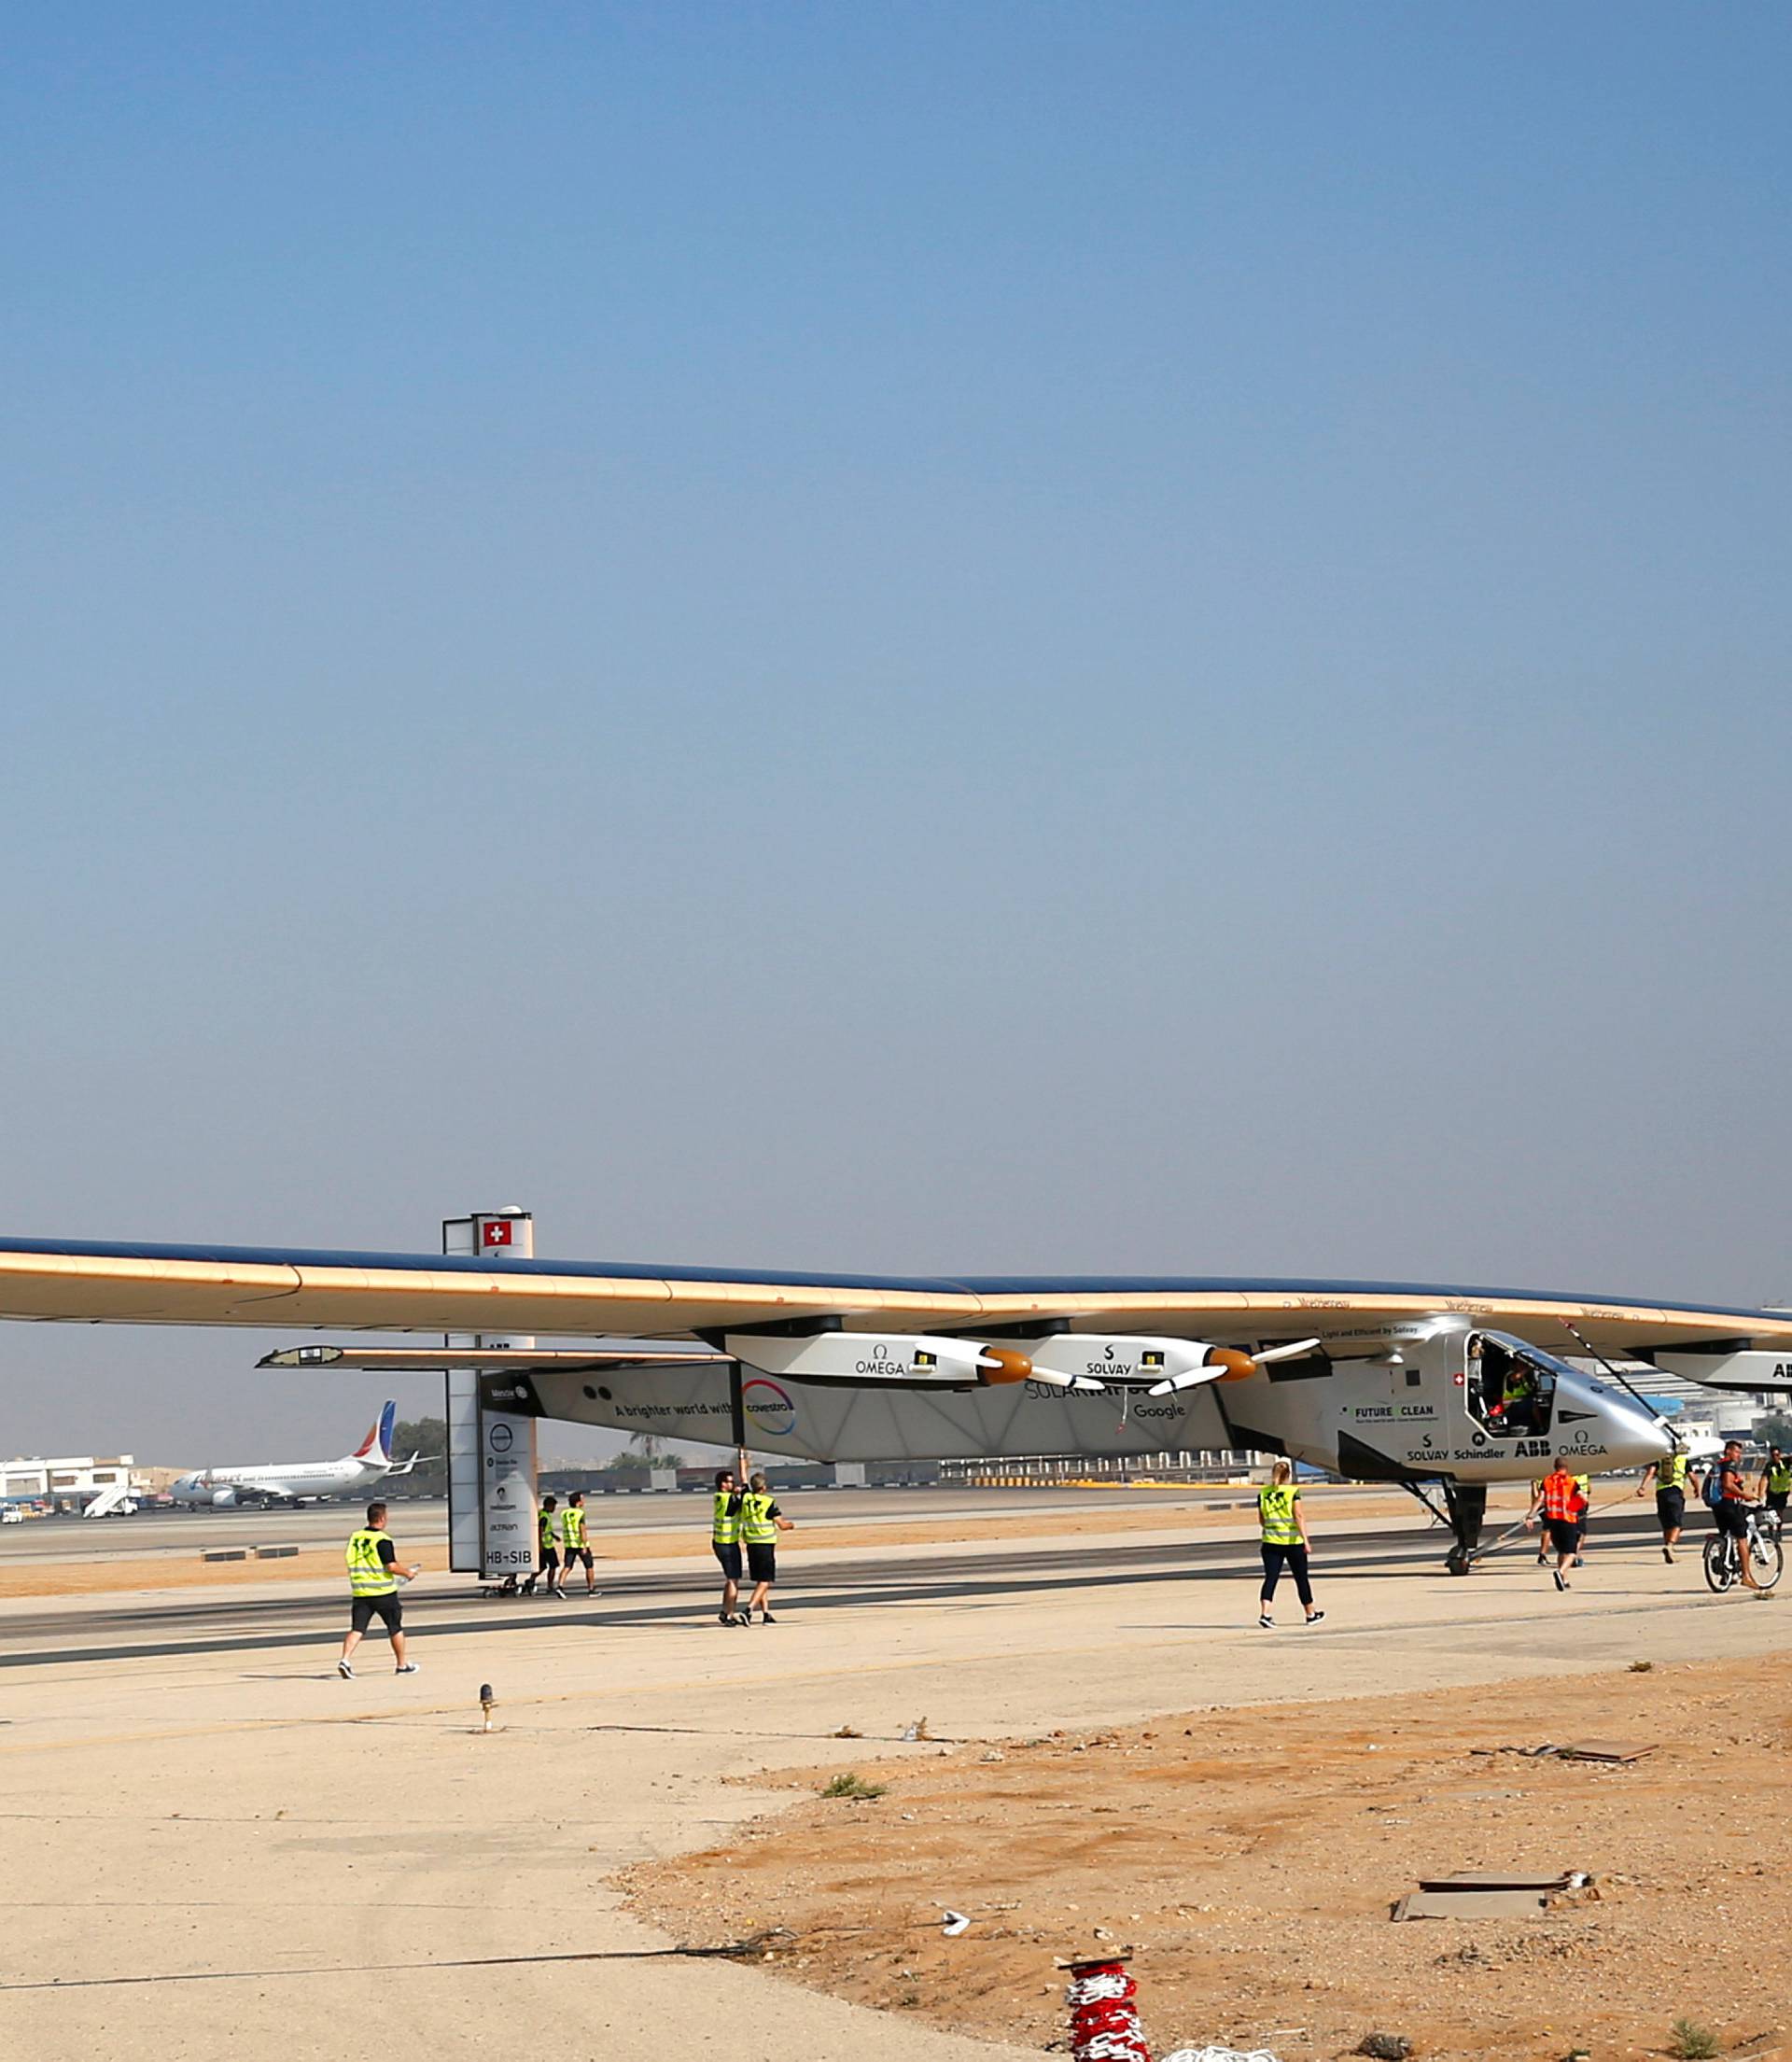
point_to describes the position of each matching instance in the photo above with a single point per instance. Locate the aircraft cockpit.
(1511, 1387)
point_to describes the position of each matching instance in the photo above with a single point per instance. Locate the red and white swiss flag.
(495, 1231)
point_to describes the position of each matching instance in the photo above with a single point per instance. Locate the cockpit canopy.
(1511, 1386)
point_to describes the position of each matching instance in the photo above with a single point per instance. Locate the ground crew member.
(1556, 1499)
(1583, 1509)
(547, 1540)
(1732, 1511)
(1668, 1475)
(374, 1571)
(1776, 1483)
(724, 1538)
(574, 1543)
(761, 1521)
(1283, 1527)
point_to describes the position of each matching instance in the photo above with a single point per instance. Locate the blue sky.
(938, 637)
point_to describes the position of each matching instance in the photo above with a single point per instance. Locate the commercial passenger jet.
(300, 1481)
(1444, 1388)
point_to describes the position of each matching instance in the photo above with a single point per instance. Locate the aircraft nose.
(1632, 1433)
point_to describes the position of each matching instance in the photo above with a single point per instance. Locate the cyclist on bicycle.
(1732, 1509)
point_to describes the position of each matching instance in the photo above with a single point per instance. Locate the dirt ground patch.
(1251, 1856)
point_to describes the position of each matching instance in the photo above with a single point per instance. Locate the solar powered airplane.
(1444, 1388)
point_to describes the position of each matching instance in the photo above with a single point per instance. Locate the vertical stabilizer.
(375, 1450)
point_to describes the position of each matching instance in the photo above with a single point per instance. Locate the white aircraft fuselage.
(273, 1483)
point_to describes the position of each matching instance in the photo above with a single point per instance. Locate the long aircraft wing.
(84, 1281)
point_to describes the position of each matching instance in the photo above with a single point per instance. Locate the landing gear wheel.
(1720, 1570)
(1457, 1562)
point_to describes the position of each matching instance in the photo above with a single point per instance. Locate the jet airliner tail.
(376, 1448)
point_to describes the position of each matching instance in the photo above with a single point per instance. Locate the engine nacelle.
(222, 1499)
(1069, 1360)
(1088, 1358)
(873, 1357)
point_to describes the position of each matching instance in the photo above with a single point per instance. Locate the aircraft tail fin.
(377, 1446)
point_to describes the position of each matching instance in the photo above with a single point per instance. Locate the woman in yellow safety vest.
(761, 1521)
(1283, 1528)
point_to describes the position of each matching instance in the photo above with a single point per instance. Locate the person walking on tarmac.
(1283, 1527)
(1669, 1474)
(761, 1521)
(374, 1572)
(1583, 1510)
(575, 1542)
(1557, 1497)
(724, 1538)
(547, 1541)
(1776, 1483)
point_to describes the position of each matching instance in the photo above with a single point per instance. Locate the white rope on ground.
(1221, 2055)
(1086, 1990)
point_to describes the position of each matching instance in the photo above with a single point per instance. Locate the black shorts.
(728, 1553)
(761, 1560)
(549, 1557)
(578, 1553)
(1776, 1498)
(1731, 1517)
(363, 1611)
(1670, 1508)
(1565, 1534)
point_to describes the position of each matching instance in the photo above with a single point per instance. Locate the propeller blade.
(1192, 1380)
(1225, 1363)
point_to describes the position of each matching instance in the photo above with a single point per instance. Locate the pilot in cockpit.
(1505, 1387)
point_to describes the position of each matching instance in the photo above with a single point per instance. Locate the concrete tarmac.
(215, 1843)
(424, 1521)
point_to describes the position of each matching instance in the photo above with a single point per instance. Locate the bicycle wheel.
(1720, 1570)
(1767, 1562)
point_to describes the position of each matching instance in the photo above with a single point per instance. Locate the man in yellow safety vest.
(375, 1573)
(1776, 1483)
(725, 1539)
(1668, 1475)
(575, 1544)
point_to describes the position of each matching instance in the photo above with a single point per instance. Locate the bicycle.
(1766, 1556)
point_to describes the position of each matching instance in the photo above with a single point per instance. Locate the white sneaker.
(405, 1668)
(1268, 1624)
(344, 1671)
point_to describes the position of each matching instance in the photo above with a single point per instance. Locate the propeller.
(1229, 1364)
(1002, 1364)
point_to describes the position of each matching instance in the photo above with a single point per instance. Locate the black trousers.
(1295, 1559)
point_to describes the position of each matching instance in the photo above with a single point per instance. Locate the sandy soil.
(1250, 1857)
(169, 1571)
